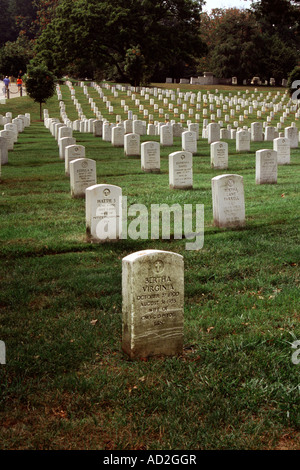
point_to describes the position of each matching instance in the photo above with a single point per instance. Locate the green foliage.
(40, 83)
(134, 65)
(101, 33)
(14, 56)
(241, 45)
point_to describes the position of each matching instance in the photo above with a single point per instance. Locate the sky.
(226, 4)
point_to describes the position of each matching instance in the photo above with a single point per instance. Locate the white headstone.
(189, 141)
(291, 133)
(132, 145)
(117, 136)
(103, 212)
(266, 167)
(243, 141)
(166, 135)
(9, 136)
(228, 201)
(72, 152)
(213, 132)
(150, 157)
(63, 143)
(282, 146)
(152, 304)
(181, 170)
(98, 128)
(82, 175)
(219, 155)
(257, 132)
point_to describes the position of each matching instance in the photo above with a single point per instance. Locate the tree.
(102, 32)
(7, 23)
(40, 84)
(14, 56)
(281, 17)
(239, 46)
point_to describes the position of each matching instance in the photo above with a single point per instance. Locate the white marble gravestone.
(117, 136)
(266, 167)
(243, 141)
(219, 155)
(177, 129)
(291, 133)
(13, 128)
(270, 133)
(72, 152)
(150, 157)
(98, 128)
(9, 136)
(228, 201)
(181, 170)
(63, 143)
(189, 141)
(166, 135)
(132, 144)
(257, 134)
(82, 175)
(106, 131)
(152, 304)
(213, 132)
(282, 146)
(103, 212)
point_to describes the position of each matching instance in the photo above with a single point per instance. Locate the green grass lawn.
(67, 384)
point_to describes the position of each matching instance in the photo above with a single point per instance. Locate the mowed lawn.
(67, 384)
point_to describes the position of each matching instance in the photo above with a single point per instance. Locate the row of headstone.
(9, 135)
(81, 170)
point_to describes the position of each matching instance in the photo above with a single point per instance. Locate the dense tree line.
(146, 40)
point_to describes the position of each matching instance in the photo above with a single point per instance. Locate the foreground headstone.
(181, 170)
(152, 304)
(219, 155)
(82, 175)
(228, 201)
(266, 167)
(103, 212)
(150, 157)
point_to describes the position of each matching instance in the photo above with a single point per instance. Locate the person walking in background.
(6, 81)
(19, 84)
